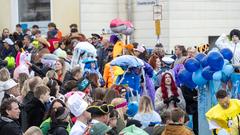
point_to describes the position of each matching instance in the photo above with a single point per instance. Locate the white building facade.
(186, 22)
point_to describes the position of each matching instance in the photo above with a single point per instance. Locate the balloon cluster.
(213, 66)
(123, 27)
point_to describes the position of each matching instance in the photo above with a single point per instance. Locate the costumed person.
(168, 96)
(220, 117)
(119, 45)
(91, 67)
(234, 45)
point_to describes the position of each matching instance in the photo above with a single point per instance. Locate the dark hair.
(73, 25)
(235, 32)
(52, 25)
(69, 85)
(73, 30)
(19, 25)
(52, 86)
(159, 45)
(51, 109)
(58, 113)
(113, 113)
(183, 49)
(221, 94)
(176, 114)
(35, 26)
(7, 105)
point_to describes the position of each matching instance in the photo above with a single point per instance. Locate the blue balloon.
(200, 56)
(204, 62)
(217, 76)
(185, 78)
(192, 65)
(190, 84)
(183, 75)
(226, 53)
(228, 70)
(215, 61)
(207, 73)
(198, 78)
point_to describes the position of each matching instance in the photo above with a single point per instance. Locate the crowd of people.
(43, 93)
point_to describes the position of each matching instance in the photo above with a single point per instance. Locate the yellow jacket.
(118, 49)
(224, 117)
(110, 74)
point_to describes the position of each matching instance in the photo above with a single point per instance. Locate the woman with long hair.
(168, 95)
(146, 114)
(155, 62)
(60, 69)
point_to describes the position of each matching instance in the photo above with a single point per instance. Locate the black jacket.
(58, 128)
(40, 70)
(9, 127)
(191, 103)
(35, 112)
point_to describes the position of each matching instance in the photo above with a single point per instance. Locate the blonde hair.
(33, 130)
(51, 74)
(117, 101)
(25, 88)
(145, 105)
(4, 74)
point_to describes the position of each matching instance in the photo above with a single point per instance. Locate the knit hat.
(99, 129)
(76, 104)
(61, 113)
(132, 109)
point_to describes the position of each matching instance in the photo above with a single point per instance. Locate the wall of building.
(192, 21)
(96, 15)
(6, 14)
(64, 13)
(145, 25)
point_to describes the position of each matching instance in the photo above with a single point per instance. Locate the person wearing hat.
(77, 107)
(59, 123)
(8, 49)
(9, 89)
(99, 129)
(100, 112)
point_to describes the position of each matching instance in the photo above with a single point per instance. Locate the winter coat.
(59, 128)
(41, 71)
(45, 126)
(177, 129)
(35, 112)
(147, 118)
(9, 127)
(160, 106)
(191, 104)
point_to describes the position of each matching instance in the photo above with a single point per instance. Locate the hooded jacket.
(177, 129)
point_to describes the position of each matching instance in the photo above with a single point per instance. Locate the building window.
(34, 10)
